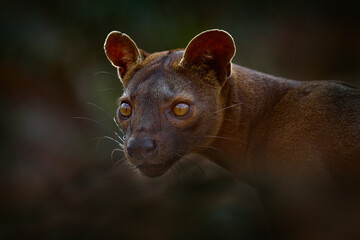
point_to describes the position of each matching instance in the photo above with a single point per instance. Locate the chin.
(155, 170)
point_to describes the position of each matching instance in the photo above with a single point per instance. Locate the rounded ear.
(121, 51)
(215, 48)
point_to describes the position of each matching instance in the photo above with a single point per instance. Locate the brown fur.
(297, 142)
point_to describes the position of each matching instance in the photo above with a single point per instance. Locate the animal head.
(171, 98)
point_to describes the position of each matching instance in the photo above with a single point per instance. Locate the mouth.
(155, 170)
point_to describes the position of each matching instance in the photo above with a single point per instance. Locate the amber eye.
(181, 109)
(125, 110)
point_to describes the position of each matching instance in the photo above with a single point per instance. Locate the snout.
(142, 148)
(143, 152)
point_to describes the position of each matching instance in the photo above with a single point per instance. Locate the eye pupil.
(181, 109)
(125, 110)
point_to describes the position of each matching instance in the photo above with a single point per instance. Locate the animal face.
(170, 102)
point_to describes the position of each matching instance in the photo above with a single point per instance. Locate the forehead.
(157, 78)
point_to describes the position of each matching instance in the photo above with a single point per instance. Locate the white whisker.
(104, 72)
(110, 138)
(221, 137)
(106, 89)
(115, 150)
(211, 147)
(234, 105)
(122, 131)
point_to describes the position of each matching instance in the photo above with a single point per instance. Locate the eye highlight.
(181, 109)
(125, 110)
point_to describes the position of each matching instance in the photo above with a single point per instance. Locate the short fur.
(297, 142)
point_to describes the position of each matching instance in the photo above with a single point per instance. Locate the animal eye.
(125, 110)
(181, 109)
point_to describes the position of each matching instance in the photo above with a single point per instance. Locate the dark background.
(56, 182)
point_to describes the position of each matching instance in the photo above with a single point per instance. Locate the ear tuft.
(121, 51)
(214, 47)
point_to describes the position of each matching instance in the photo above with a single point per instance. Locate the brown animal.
(297, 142)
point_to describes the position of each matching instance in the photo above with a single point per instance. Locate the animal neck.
(248, 98)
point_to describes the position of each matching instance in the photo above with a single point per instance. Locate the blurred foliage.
(57, 183)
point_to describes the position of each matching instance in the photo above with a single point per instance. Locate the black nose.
(142, 148)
